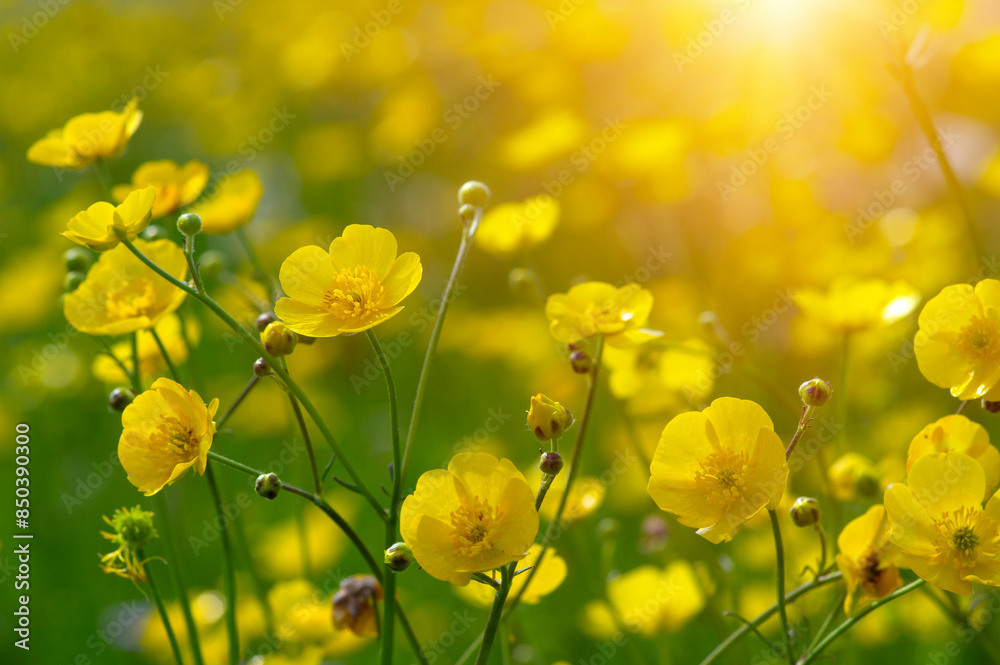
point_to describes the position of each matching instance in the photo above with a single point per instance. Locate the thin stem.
(164, 617)
(822, 548)
(275, 366)
(175, 573)
(574, 466)
(317, 485)
(189, 345)
(166, 356)
(111, 354)
(389, 586)
(780, 556)
(834, 611)
(468, 235)
(103, 177)
(199, 285)
(792, 595)
(258, 265)
(239, 400)
(847, 625)
(506, 577)
(229, 573)
(807, 414)
(136, 371)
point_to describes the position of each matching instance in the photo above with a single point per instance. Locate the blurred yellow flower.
(102, 226)
(585, 497)
(938, 523)
(231, 204)
(355, 286)
(151, 363)
(598, 308)
(477, 515)
(355, 605)
(655, 377)
(551, 573)
(176, 186)
(853, 305)
(511, 228)
(956, 433)
(958, 343)
(866, 559)
(166, 431)
(121, 294)
(717, 468)
(852, 476)
(87, 138)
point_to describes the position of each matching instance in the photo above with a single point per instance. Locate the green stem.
(574, 466)
(164, 617)
(199, 285)
(104, 177)
(847, 625)
(506, 577)
(166, 356)
(229, 574)
(257, 264)
(779, 549)
(236, 402)
(317, 485)
(807, 414)
(468, 235)
(275, 366)
(389, 585)
(834, 611)
(189, 345)
(175, 573)
(136, 372)
(740, 632)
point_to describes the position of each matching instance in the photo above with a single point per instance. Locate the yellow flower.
(151, 361)
(654, 377)
(355, 286)
(852, 476)
(866, 559)
(166, 431)
(585, 497)
(175, 186)
(87, 138)
(122, 294)
(958, 343)
(477, 515)
(853, 305)
(232, 203)
(551, 573)
(956, 433)
(102, 226)
(511, 228)
(939, 525)
(717, 468)
(598, 308)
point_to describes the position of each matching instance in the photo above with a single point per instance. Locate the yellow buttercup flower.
(938, 522)
(511, 228)
(956, 433)
(717, 468)
(853, 305)
(87, 138)
(866, 559)
(477, 515)
(958, 343)
(355, 286)
(121, 294)
(166, 431)
(598, 308)
(102, 226)
(551, 573)
(655, 377)
(232, 204)
(151, 362)
(175, 186)
(853, 475)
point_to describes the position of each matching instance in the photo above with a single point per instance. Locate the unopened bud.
(398, 557)
(815, 392)
(73, 280)
(992, 407)
(120, 398)
(467, 213)
(867, 484)
(261, 368)
(581, 362)
(268, 485)
(189, 224)
(547, 418)
(805, 511)
(550, 463)
(264, 320)
(77, 259)
(278, 339)
(474, 193)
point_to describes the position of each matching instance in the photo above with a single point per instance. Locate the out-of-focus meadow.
(723, 154)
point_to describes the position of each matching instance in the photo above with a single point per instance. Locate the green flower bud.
(189, 224)
(278, 339)
(467, 213)
(867, 484)
(120, 398)
(77, 259)
(805, 511)
(550, 463)
(211, 264)
(73, 280)
(399, 557)
(815, 392)
(547, 418)
(474, 193)
(268, 485)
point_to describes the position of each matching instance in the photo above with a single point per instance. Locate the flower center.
(870, 569)
(720, 478)
(136, 298)
(961, 535)
(474, 528)
(965, 539)
(174, 438)
(355, 294)
(980, 339)
(605, 318)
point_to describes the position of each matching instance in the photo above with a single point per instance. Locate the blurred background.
(724, 154)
